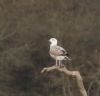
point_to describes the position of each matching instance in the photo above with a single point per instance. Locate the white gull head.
(53, 41)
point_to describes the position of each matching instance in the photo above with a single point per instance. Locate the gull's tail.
(67, 58)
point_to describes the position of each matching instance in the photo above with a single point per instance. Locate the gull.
(56, 52)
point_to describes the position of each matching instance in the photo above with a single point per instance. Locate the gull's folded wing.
(57, 51)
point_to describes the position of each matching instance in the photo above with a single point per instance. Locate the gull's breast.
(57, 57)
(53, 56)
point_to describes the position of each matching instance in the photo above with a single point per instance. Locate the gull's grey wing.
(57, 50)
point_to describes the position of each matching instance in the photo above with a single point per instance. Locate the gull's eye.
(52, 40)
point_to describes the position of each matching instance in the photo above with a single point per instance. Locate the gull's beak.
(49, 40)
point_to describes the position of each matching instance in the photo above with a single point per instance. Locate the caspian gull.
(56, 52)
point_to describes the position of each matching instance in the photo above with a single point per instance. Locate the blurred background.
(26, 26)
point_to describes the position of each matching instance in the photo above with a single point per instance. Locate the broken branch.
(75, 74)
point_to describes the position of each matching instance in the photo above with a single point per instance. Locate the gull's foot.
(62, 66)
(56, 65)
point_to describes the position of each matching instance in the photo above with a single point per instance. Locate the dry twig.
(75, 74)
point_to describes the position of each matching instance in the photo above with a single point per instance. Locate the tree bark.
(75, 74)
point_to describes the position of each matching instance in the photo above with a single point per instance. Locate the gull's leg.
(59, 63)
(56, 62)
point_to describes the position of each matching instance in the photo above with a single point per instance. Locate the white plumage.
(56, 52)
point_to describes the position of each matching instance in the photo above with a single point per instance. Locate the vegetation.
(26, 26)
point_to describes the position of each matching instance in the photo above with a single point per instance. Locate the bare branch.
(75, 74)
